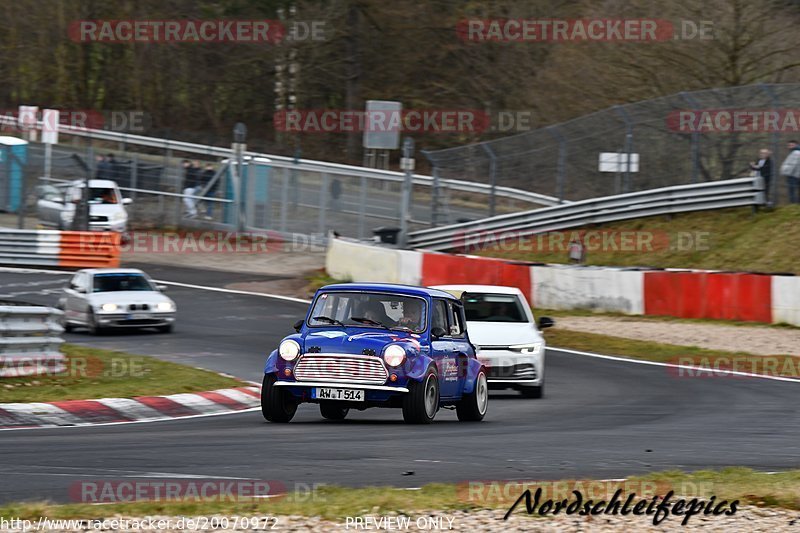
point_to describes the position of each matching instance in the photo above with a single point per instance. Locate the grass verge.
(725, 239)
(717, 360)
(780, 490)
(95, 373)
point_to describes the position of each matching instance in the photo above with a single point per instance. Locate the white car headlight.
(529, 349)
(165, 306)
(109, 307)
(394, 355)
(289, 350)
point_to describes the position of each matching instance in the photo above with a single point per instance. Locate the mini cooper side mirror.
(298, 326)
(438, 332)
(546, 322)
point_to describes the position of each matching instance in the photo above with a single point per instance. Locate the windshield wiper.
(328, 319)
(364, 320)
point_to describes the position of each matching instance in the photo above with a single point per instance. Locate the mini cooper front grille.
(343, 368)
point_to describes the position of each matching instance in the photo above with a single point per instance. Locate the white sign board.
(383, 124)
(50, 119)
(27, 121)
(618, 162)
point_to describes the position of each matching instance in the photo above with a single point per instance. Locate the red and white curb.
(122, 410)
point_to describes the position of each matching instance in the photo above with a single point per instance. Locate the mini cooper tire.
(333, 411)
(473, 406)
(277, 404)
(422, 400)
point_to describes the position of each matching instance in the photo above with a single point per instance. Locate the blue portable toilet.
(13, 158)
(255, 187)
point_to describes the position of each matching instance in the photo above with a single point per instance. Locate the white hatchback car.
(501, 325)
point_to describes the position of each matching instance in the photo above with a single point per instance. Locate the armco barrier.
(359, 262)
(786, 299)
(83, 249)
(597, 289)
(717, 295)
(30, 341)
(441, 269)
(683, 294)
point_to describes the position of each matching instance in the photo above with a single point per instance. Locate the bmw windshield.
(378, 310)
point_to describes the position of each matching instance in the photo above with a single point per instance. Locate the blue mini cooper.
(377, 345)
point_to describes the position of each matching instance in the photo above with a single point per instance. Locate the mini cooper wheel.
(422, 400)
(472, 407)
(277, 405)
(333, 411)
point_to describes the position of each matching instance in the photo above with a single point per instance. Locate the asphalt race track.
(599, 418)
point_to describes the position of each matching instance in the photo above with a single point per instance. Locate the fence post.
(695, 140)
(561, 167)
(492, 178)
(362, 206)
(284, 198)
(323, 203)
(626, 184)
(772, 199)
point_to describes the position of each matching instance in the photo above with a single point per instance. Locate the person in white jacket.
(791, 169)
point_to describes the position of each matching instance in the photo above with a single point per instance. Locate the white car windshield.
(102, 195)
(361, 309)
(121, 282)
(493, 308)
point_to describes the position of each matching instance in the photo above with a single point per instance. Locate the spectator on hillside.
(791, 169)
(764, 169)
(576, 251)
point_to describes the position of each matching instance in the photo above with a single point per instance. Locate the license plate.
(339, 394)
(138, 316)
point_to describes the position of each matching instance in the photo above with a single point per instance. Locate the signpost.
(50, 118)
(406, 164)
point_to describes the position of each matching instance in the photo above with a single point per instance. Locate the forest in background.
(373, 49)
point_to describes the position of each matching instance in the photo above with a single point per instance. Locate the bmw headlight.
(108, 308)
(528, 349)
(289, 350)
(394, 355)
(165, 306)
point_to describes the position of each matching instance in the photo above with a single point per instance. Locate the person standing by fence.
(764, 169)
(211, 192)
(791, 169)
(190, 182)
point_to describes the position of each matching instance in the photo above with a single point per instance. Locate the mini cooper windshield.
(378, 310)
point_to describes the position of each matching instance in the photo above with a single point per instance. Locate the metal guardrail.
(297, 164)
(53, 248)
(667, 200)
(30, 341)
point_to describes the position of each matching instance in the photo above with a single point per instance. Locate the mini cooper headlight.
(528, 349)
(394, 355)
(108, 307)
(289, 350)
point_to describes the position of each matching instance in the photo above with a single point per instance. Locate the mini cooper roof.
(396, 288)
